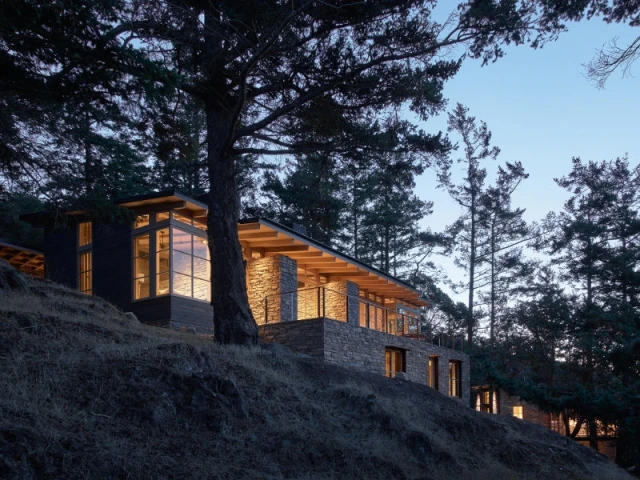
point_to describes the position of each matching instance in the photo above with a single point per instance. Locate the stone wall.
(364, 349)
(268, 278)
(341, 301)
(305, 336)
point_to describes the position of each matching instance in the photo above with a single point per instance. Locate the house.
(302, 293)
(500, 402)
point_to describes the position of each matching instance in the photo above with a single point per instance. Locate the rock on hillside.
(89, 393)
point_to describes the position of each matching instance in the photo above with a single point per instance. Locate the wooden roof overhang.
(24, 259)
(166, 200)
(270, 238)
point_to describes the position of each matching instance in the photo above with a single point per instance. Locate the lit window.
(162, 262)
(84, 234)
(433, 372)
(161, 216)
(85, 259)
(518, 411)
(180, 265)
(141, 267)
(394, 361)
(85, 272)
(455, 378)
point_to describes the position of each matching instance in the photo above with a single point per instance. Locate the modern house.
(302, 293)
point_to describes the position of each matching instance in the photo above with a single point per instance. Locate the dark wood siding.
(112, 263)
(191, 314)
(61, 255)
(155, 311)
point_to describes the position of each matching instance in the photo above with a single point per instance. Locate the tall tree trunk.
(472, 270)
(232, 318)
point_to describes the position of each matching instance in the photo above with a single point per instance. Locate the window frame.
(391, 355)
(455, 378)
(152, 229)
(433, 372)
(85, 249)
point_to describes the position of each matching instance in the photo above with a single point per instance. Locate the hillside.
(90, 393)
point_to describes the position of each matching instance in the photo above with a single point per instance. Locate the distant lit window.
(85, 280)
(455, 378)
(85, 258)
(518, 411)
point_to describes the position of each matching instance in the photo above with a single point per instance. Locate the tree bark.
(232, 317)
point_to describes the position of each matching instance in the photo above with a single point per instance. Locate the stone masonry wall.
(364, 349)
(341, 301)
(270, 277)
(305, 336)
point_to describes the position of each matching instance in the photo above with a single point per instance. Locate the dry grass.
(88, 394)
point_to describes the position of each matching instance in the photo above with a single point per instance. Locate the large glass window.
(162, 262)
(518, 411)
(180, 266)
(141, 267)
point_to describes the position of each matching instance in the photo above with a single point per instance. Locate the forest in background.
(293, 108)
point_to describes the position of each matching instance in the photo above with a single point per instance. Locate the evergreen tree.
(468, 230)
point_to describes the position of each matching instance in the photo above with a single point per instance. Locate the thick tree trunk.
(232, 318)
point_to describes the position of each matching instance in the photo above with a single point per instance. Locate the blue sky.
(542, 111)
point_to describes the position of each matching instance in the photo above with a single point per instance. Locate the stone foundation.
(364, 349)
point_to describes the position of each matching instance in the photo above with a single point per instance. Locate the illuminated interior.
(176, 258)
(518, 411)
(85, 258)
(394, 361)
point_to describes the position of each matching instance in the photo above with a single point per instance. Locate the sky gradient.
(542, 111)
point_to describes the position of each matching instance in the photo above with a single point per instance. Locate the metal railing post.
(266, 310)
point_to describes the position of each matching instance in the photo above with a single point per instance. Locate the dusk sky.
(542, 111)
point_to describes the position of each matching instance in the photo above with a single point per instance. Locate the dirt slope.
(87, 393)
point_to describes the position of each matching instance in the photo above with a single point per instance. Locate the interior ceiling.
(270, 241)
(25, 260)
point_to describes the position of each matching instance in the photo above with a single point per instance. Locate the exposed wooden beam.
(306, 255)
(284, 249)
(254, 235)
(243, 227)
(319, 260)
(270, 243)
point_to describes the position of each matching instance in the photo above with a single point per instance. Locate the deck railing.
(322, 302)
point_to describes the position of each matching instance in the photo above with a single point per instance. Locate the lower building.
(500, 402)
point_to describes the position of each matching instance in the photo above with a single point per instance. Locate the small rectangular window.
(433, 372)
(85, 280)
(518, 411)
(394, 361)
(455, 380)
(85, 234)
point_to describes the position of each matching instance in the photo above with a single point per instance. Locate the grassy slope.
(85, 393)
